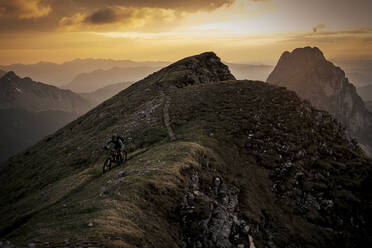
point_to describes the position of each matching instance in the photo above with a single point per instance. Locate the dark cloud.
(318, 27)
(181, 5)
(24, 9)
(49, 15)
(103, 16)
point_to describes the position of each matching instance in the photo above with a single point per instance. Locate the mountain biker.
(118, 146)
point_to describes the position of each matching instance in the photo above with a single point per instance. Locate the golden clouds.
(164, 29)
(95, 15)
(119, 18)
(179, 5)
(24, 9)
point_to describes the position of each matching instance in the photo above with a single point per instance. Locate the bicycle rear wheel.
(107, 165)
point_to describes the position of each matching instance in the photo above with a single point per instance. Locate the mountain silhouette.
(212, 162)
(307, 72)
(23, 93)
(89, 82)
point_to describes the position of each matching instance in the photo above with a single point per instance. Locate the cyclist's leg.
(121, 154)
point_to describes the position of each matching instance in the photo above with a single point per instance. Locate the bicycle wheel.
(107, 165)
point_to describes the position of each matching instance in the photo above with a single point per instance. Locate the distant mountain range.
(31, 110)
(23, 93)
(102, 94)
(358, 71)
(251, 72)
(62, 74)
(87, 75)
(89, 82)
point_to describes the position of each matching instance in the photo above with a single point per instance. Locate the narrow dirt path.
(166, 118)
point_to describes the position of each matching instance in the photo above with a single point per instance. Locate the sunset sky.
(250, 31)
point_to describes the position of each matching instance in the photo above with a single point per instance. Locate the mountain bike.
(114, 158)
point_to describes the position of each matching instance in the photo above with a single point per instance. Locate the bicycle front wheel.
(107, 165)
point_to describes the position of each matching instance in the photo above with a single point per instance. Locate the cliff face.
(212, 162)
(23, 93)
(324, 85)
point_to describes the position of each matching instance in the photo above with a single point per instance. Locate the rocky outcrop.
(23, 93)
(307, 72)
(203, 68)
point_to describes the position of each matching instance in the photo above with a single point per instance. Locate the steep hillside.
(23, 93)
(20, 129)
(312, 77)
(213, 162)
(89, 82)
(102, 94)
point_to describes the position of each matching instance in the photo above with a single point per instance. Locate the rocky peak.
(202, 68)
(10, 76)
(307, 72)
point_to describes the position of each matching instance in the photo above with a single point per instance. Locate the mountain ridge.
(251, 165)
(34, 96)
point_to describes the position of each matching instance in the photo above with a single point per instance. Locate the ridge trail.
(166, 118)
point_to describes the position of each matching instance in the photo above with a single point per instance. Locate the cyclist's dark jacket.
(118, 145)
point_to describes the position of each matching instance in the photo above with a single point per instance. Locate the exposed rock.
(307, 72)
(214, 224)
(122, 174)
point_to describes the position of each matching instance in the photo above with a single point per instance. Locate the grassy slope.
(228, 129)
